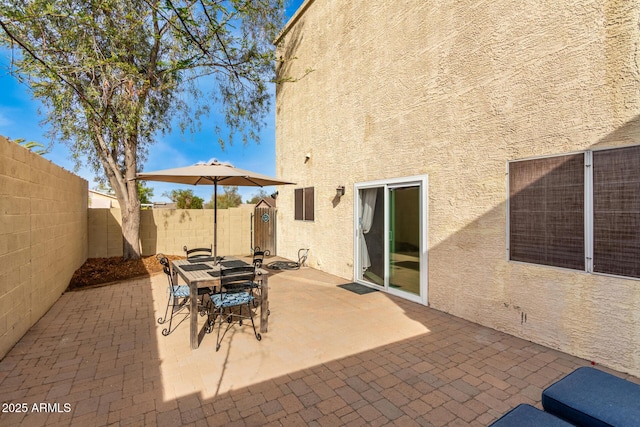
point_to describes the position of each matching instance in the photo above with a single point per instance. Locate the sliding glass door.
(404, 238)
(390, 236)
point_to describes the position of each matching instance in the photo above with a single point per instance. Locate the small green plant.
(34, 146)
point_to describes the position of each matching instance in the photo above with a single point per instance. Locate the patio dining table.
(205, 272)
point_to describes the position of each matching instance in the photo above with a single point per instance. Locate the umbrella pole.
(215, 222)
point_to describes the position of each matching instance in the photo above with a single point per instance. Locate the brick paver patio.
(331, 357)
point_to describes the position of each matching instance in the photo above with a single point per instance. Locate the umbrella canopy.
(212, 173)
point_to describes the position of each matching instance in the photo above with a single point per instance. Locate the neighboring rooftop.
(102, 199)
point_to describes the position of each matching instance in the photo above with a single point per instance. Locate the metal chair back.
(195, 253)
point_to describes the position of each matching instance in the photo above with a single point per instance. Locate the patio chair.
(250, 279)
(246, 278)
(258, 256)
(198, 253)
(258, 261)
(178, 296)
(236, 292)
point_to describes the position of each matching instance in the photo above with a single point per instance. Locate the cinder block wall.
(43, 237)
(169, 230)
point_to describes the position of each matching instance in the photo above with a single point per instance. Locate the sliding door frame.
(418, 180)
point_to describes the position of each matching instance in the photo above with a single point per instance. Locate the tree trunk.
(131, 228)
(125, 186)
(131, 213)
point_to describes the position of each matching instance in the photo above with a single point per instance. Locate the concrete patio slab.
(330, 357)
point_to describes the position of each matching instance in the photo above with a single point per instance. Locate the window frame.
(544, 251)
(636, 146)
(589, 225)
(306, 209)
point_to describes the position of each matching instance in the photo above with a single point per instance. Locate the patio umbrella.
(212, 173)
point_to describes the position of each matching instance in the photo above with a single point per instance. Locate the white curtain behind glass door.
(367, 206)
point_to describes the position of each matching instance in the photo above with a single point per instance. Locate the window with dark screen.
(304, 204)
(616, 211)
(551, 222)
(546, 211)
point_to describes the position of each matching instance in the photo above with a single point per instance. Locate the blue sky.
(19, 118)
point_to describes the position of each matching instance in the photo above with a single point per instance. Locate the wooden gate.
(264, 229)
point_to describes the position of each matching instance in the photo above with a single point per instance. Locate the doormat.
(357, 288)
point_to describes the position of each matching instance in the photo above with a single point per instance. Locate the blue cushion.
(230, 300)
(591, 397)
(525, 415)
(181, 291)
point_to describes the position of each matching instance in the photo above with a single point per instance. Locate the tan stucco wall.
(454, 91)
(169, 230)
(43, 237)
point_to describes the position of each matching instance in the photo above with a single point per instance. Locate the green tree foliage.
(261, 194)
(184, 199)
(228, 199)
(112, 74)
(144, 193)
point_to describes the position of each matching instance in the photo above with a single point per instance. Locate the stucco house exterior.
(480, 158)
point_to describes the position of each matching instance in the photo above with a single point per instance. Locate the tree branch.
(43, 63)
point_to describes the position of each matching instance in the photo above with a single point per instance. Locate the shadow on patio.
(331, 357)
